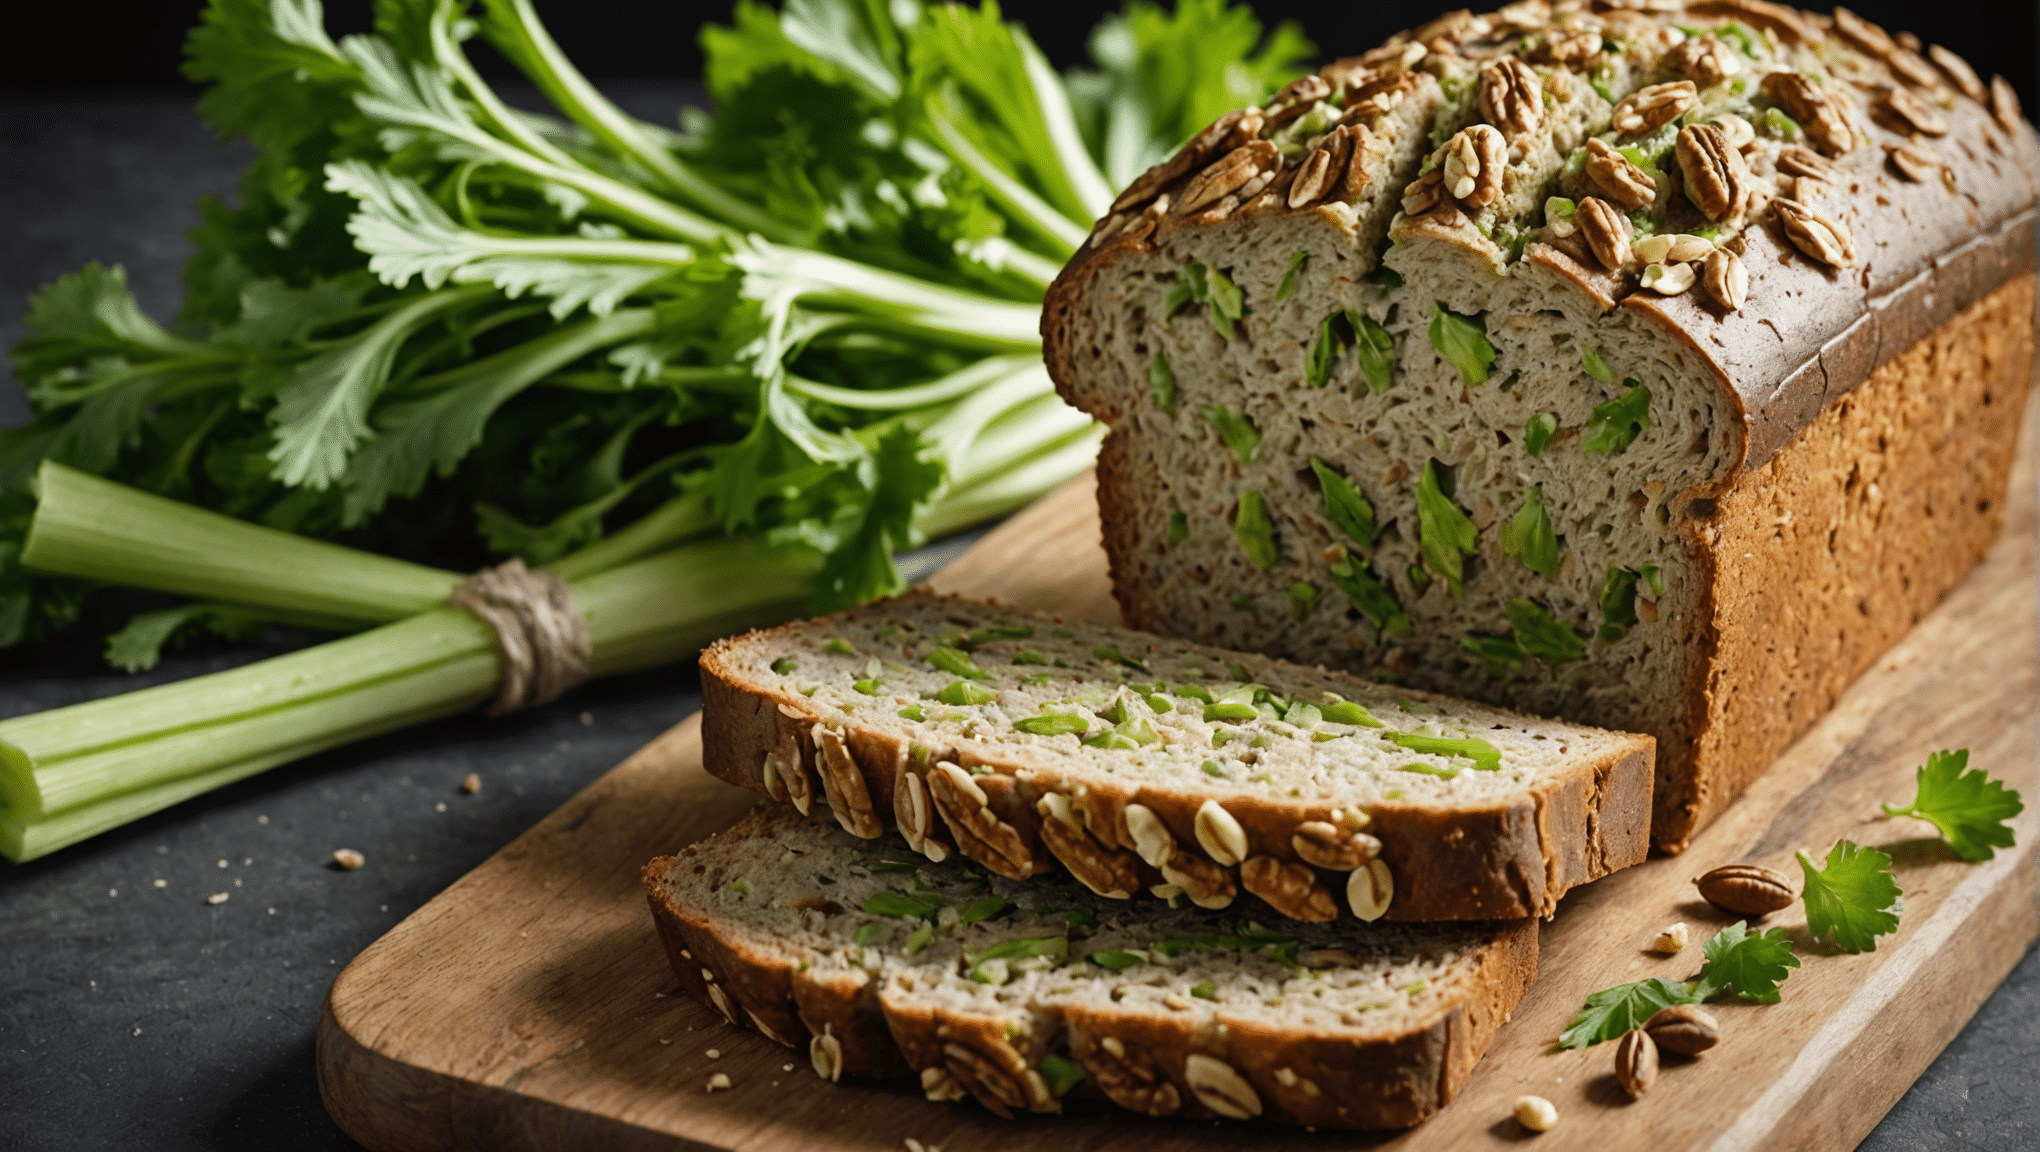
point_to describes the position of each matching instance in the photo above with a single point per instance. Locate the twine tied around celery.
(545, 642)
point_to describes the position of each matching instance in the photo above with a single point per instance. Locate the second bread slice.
(1148, 765)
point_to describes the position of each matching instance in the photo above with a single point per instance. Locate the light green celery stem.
(1077, 166)
(499, 115)
(954, 433)
(958, 383)
(1013, 489)
(666, 608)
(650, 612)
(548, 67)
(624, 201)
(100, 530)
(1015, 436)
(55, 760)
(97, 529)
(1001, 254)
(818, 278)
(1043, 218)
(28, 838)
(681, 518)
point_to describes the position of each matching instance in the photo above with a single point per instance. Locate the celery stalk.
(100, 530)
(67, 772)
(97, 529)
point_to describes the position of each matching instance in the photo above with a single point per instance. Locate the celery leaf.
(1852, 901)
(1969, 809)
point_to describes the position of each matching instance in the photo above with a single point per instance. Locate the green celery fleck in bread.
(880, 963)
(1151, 767)
(1511, 359)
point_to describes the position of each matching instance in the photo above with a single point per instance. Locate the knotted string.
(544, 640)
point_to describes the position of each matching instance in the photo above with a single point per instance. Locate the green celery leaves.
(1463, 342)
(1854, 899)
(1616, 424)
(1237, 430)
(1971, 811)
(1528, 537)
(1445, 535)
(1255, 530)
(1345, 507)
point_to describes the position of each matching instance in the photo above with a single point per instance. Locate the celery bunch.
(711, 374)
(441, 327)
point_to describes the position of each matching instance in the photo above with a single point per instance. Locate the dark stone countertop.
(135, 1015)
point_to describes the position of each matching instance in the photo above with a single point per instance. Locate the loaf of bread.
(1653, 365)
(880, 963)
(1144, 765)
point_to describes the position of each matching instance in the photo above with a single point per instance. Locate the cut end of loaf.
(1478, 435)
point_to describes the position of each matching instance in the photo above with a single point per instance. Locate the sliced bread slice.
(1151, 765)
(883, 964)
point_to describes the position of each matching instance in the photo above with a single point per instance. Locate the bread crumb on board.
(217, 898)
(471, 784)
(347, 859)
(719, 1080)
(1671, 941)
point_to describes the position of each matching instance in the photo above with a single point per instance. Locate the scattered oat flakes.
(719, 1080)
(217, 898)
(471, 784)
(348, 859)
(715, 1053)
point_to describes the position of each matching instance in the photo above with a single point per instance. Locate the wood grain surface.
(529, 1005)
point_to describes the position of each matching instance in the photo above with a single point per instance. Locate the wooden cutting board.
(530, 1006)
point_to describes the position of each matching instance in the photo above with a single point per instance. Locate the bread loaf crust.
(1929, 251)
(1298, 1075)
(1501, 860)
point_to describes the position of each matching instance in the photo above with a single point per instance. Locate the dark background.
(134, 1015)
(89, 47)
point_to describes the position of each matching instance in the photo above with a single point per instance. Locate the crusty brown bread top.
(1861, 186)
(1475, 339)
(879, 963)
(1148, 767)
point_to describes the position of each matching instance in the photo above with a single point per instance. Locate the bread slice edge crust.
(1490, 861)
(1139, 1060)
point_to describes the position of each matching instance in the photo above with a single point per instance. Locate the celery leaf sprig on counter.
(1854, 899)
(1740, 963)
(709, 376)
(1970, 810)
